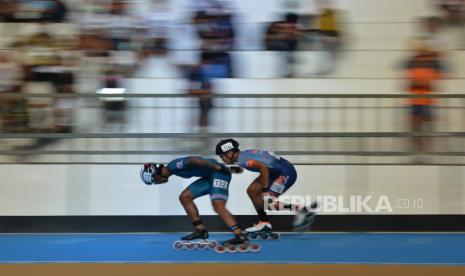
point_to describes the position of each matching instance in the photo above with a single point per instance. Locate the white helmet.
(149, 171)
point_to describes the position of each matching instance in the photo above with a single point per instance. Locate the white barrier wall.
(117, 190)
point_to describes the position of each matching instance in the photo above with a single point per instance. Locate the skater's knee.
(252, 191)
(185, 197)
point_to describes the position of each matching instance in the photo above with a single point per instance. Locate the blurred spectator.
(13, 112)
(110, 34)
(120, 26)
(201, 86)
(8, 9)
(38, 55)
(33, 11)
(56, 12)
(15, 117)
(11, 74)
(93, 44)
(125, 34)
(424, 69)
(94, 48)
(283, 36)
(330, 37)
(63, 111)
(49, 67)
(43, 57)
(216, 32)
(64, 107)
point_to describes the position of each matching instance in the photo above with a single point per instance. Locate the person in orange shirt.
(423, 72)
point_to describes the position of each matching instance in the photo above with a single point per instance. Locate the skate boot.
(262, 230)
(197, 234)
(305, 217)
(196, 240)
(237, 244)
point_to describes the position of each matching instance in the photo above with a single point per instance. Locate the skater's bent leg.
(220, 208)
(256, 195)
(187, 200)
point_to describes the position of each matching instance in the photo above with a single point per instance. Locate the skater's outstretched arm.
(199, 162)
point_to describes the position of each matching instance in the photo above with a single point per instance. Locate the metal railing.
(307, 129)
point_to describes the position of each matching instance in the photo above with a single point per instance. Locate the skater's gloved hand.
(225, 170)
(236, 169)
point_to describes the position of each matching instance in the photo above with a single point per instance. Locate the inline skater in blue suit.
(214, 181)
(277, 175)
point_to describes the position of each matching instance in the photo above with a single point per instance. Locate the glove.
(225, 170)
(236, 169)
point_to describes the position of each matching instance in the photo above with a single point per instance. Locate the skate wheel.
(252, 236)
(243, 248)
(220, 249)
(201, 246)
(190, 246)
(178, 245)
(213, 244)
(254, 247)
(264, 236)
(231, 248)
(275, 236)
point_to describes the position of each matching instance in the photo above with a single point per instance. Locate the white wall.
(117, 190)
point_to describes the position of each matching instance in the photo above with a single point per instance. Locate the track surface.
(308, 248)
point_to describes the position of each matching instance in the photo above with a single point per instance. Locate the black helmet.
(226, 145)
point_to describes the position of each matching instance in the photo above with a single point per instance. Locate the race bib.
(277, 187)
(218, 183)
